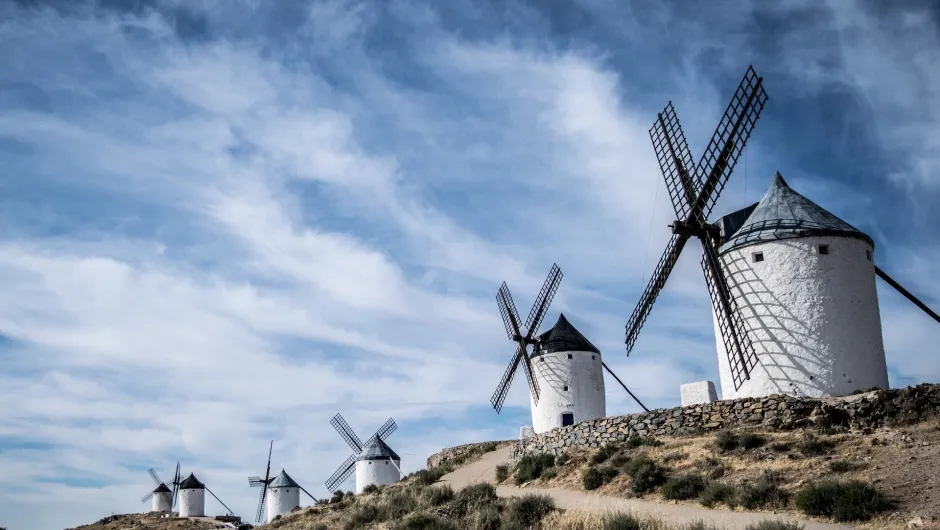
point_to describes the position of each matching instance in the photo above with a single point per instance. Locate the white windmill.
(164, 495)
(192, 497)
(374, 461)
(565, 371)
(284, 492)
(793, 294)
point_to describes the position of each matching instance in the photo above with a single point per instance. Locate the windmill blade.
(884, 276)
(507, 309)
(146, 497)
(654, 287)
(499, 396)
(255, 481)
(675, 161)
(308, 493)
(177, 478)
(386, 430)
(542, 301)
(530, 377)
(341, 474)
(261, 500)
(230, 512)
(344, 430)
(155, 477)
(741, 356)
(728, 142)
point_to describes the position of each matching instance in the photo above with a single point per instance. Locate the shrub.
(729, 441)
(602, 454)
(781, 447)
(711, 467)
(562, 459)
(843, 501)
(549, 473)
(673, 457)
(423, 521)
(726, 441)
(697, 525)
(337, 496)
(362, 515)
(841, 466)
(622, 521)
(751, 441)
(426, 477)
(438, 495)
(595, 477)
(619, 460)
(769, 524)
(490, 447)
(397, 505)
(371, 488)
(637, 441)
(528, 510)
(474, 497)
(502, 472)
(716, 493)
(530, 467)
(485, 517)
(683, 487)
(645, 474)
(812, 445)
(765, 492)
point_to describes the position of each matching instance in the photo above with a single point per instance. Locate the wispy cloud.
(222, 226)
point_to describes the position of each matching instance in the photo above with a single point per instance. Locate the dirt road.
(484, 470)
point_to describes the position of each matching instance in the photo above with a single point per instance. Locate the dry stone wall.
(452, 453)
(862, 412)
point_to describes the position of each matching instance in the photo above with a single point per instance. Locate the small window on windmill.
(569, 355)
(757, 257)
(823, 249)
(592, 357)
(565, 388)
(868, 255)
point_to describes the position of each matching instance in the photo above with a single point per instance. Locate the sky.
(224, 221)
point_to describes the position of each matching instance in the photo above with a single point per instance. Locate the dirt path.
(484, 470)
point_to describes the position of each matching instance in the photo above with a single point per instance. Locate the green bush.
(423, 521)
(749, 441)
(781, 447)
(711, 467)
(645, 474)
(371, 488)
(684, 487)
(530, 467)
(620, 460)
(362, 515)
(764, 493)
(490, 447)
(528, 510)
(729, 441)
(474, 497)
(716, 493)
(549, 473)
(603, 453)
(426, 477)
(595, 477)
(397, 505)
(813, 445)
(639, 441)
(562, 459)
(337, 496)
(841, 466)
(769, 524)
(726, 441)
(843, 501)
(502, 472)
(622, 521)
(438, 495)
(485, 517)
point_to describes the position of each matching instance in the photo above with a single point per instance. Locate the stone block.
(698, 393)
(526, 432)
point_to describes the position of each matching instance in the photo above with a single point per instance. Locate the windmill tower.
(374, 462)
(564, 370)
(192, 495)
(285, 492)
(163, 497)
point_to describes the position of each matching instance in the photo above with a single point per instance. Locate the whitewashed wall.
(161, 502)
(813, 319)
(585, 397)
(378, 472)
(281, 501)
(192, 503)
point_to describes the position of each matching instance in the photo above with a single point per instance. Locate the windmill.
(694, 190)
(374, 461)
(164, 496)
(564, 366)
(192, 497)
(285, 492)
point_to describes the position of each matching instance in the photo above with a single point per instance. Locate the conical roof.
(377, 449)
(283, 480)
(782, 214)
(162, 489)
(564, 337)
(192, 483)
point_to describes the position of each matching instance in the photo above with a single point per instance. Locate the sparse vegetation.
(502, 472)
(683, 487)
(603, 453)
(864, 390)
(528, 510)
(711, 467)
(619, 460)
(726, 441)
(645, 474)
(843, 501)
(371, 488)
(774, 525)
(841, 466)
(530, 467)
(729, 441)
(595, 477)
(749, 441)
(423, 521)
(639, 441)
(813, 445)
(438, 495)
(764, 493)
(718, 493)
(781, 447)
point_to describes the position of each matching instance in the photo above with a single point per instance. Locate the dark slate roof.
(564, 337)
(283, 480)
(782, 214)
(162, 489)
(377, 449)
(192, 483)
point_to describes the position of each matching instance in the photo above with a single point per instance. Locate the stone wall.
(452, 453)
(860, 412)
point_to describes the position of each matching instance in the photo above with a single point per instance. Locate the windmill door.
(567, 419)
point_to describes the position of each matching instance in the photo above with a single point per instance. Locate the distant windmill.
(193, 498)
(694, 190)
(374, 461)
(563, 363)
(164, 496)
(285, 492)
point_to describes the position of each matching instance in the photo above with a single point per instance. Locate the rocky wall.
(862, 412)
(452, 453)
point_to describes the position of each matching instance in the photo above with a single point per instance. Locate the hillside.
(154, 521)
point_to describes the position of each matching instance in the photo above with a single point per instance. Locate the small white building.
(804, 283)
(162, 500)
(570, 378)
(284, 495)
(377, 464)
(192, 497)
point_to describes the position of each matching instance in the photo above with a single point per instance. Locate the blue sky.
(224, 222)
